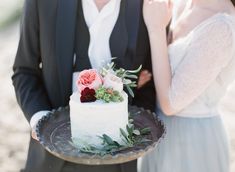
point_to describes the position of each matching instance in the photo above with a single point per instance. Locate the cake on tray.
(100, 106)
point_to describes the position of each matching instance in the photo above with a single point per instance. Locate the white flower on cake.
(114, 82)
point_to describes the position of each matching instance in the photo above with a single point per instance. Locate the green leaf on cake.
(108, 139)
(136, 132)
(130, 129)
(130, 91)
(124, 134)
(125, 75)
(145, 131)
(131, 76)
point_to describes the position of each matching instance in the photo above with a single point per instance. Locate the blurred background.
(14, 130)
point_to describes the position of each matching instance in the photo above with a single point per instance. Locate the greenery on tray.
(108, 95)
(130, 138)
(126, 75)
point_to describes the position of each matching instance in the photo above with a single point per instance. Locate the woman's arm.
(203, 60)
(158, 41)
(161, 67)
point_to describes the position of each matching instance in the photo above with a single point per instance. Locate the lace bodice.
(203, 66)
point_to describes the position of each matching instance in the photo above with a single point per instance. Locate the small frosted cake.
(92, 119)
(100, 106)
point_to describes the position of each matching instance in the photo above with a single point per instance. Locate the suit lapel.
(119, 37)
(65, 31)
(133, 17)
(82, 42)
(124, 37)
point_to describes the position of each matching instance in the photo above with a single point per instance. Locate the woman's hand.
(157, 14)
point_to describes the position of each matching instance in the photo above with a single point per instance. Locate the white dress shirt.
(100, 25)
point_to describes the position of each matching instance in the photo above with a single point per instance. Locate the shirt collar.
(110, 5)
(92, 15)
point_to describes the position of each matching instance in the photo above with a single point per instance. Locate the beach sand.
(14, 130)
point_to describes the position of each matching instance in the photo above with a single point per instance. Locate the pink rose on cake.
(89, 78)
(114, 82)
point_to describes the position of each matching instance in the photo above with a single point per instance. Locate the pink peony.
(89, 78)
(114, 82)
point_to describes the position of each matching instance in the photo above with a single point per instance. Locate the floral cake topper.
(107, 84)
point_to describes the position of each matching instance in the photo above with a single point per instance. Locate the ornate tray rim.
(94, 159)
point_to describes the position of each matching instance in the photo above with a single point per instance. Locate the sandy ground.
(14, 130)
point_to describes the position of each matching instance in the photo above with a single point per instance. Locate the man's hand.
(34, 121)
(34, 134)
(145, 76)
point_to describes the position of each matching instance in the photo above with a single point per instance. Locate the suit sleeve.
(27, 78)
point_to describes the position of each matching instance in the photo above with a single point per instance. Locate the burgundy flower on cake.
(89, 78)
(88, 95)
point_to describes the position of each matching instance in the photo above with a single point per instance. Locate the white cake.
(93, 119)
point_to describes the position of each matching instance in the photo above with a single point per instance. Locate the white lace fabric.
(202, 67)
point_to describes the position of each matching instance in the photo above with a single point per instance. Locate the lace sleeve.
(209, 51)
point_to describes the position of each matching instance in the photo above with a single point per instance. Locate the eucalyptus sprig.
(130, 137)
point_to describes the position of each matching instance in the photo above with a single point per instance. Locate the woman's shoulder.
(226, 18)
(218, 24)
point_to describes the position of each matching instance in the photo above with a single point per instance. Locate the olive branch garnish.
(130, 138)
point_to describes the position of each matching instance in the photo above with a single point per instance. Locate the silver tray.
(54, 134)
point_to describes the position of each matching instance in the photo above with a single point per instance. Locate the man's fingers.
(144, 72)
(145, 76)
(34, 135)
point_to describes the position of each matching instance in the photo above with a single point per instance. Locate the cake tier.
(93, 119)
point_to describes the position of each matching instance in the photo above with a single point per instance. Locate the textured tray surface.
(54, 134)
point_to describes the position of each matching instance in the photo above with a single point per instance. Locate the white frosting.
(93, 119)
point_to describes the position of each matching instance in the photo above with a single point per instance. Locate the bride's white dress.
(203, 66)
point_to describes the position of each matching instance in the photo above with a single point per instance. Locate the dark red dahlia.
(88, 95)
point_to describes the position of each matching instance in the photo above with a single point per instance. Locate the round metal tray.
(54, 134)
